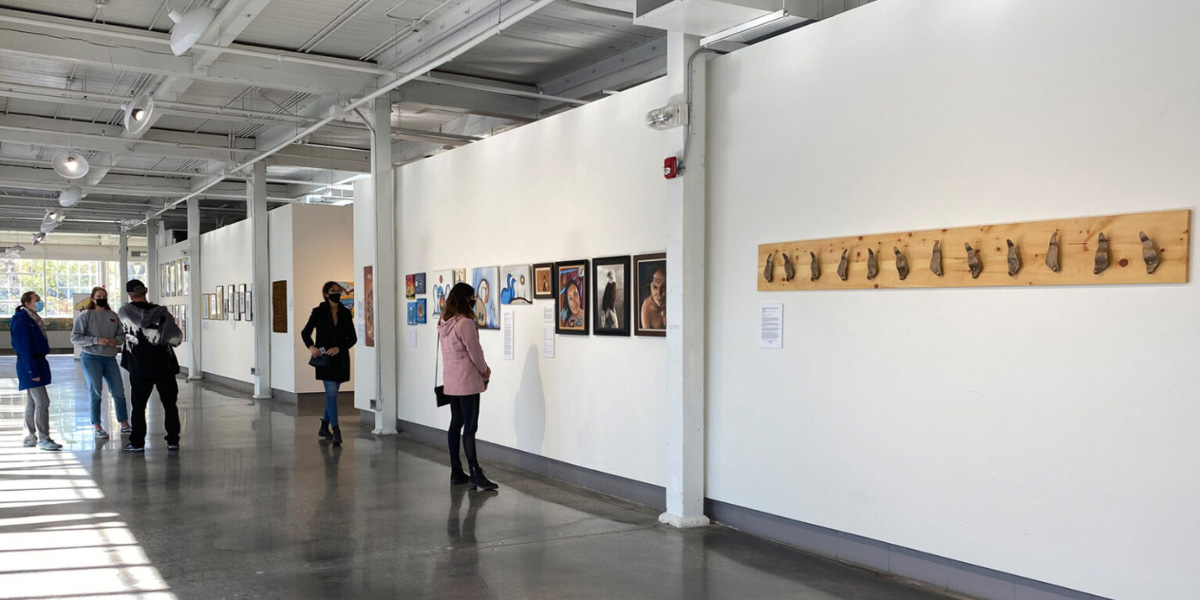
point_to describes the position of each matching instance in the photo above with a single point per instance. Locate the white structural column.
(151, 256)
(387, 312)
(195, 297)
(256, 210)
(123, 262)
(685, 299)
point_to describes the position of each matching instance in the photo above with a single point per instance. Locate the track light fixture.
(38, 237)
(70, 196)
(71, 165)
(189, 27)
(138, 113)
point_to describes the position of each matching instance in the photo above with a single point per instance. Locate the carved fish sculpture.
(816, 267)
(1101, 255)
(1052, 254)
(872, 266)
(1014, 260)
(973, 262)
(769, 271)
(1149, 254)
(842, 265)
(935, 262)
(788, 270)
(901, 263)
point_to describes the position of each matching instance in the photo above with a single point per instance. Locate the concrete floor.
(254, 506)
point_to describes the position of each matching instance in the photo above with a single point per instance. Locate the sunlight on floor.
(48, 548)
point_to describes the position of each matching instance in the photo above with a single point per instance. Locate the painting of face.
(487, 308)
(515, 288)
(543, 281)
(611, 303)
(650, 300)
(441, 281)
(571, 297)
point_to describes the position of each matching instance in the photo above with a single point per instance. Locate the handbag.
(439, 390)
(320, 361)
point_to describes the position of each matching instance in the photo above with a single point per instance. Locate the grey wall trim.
(644, 493)
(226, 382)
(943, 573)
(308, 397)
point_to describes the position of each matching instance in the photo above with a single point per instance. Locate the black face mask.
(102, 302)
(335, 298)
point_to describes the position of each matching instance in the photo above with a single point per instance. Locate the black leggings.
(464, 417)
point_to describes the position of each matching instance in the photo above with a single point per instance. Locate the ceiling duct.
(731, 24)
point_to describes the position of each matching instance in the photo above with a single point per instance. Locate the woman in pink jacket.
(465, 377)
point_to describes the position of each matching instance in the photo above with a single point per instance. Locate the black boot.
(479, 481)
(324, 431)
(337, 436)
(457, 476)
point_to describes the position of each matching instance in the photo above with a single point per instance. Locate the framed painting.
(517, 285)
(460, 275)
(243, 304)
(412, 313)
(543, 281)
(441, 282)
(610, 306)
(231, 307)
(419, 283)
(348, 295)
(487, 308)
(249, 316)
(410, 286)
(422, 310)
(219, 312)
(369, 305)
(650, 295)
(571, 297)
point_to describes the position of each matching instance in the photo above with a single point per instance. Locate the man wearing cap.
(148, 353)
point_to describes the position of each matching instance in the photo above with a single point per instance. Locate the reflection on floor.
(254, 506)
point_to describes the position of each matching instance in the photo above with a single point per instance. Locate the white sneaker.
(101, 434)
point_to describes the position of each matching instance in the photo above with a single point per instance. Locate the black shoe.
(132, 448)
(457, 476)
(337, 436)
(480, 482)
(324, 431)
(172, 446)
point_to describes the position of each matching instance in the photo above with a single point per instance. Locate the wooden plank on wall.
(1077, 241)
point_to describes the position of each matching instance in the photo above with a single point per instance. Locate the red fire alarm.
(669, 167)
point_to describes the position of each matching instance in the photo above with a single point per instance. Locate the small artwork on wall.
(412, 313)
(442, 282)
(422, 308)
(650, 295)
(460, 275)
(219, 310)
(516, 282)
(410, 286)
(249, 316)
(543, 281)
(419, 283)
(611, 302)
(571, 297)
(347, 295)
(369, 305)
(486, 305)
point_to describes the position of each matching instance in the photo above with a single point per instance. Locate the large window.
(57, 282)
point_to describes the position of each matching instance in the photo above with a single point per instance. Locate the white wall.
(283, 345)
(365, 384)
(584, 184)
(1044, 432)
(323, 250)
(166, 255)
(228, 345)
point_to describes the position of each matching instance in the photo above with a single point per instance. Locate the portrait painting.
(422, 317)
(419, 283)
(516, 283)
(610, 306)
(441, 282)
(410, 286)
(650, 295)
(487, 305)
(543, 286)
(571, 297)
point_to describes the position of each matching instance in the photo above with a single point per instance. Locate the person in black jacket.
(335, 336)
(148, 353)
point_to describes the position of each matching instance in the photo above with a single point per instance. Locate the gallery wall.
(228, 346)
(166, 255)
(584, 184)
(1045, 432)
(283, 345)
(322, 250)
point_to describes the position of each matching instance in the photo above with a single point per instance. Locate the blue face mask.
(39, 306)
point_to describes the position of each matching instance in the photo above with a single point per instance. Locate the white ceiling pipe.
(4, 160)
(346, 110)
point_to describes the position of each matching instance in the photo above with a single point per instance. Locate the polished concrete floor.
(254, 506)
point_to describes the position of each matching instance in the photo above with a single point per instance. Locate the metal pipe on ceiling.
(349, 108)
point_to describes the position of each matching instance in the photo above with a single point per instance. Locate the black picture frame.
(573, 269)
(547, 293)
(601, 316)
(644, 266)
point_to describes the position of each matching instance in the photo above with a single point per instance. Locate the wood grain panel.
(1077, 239)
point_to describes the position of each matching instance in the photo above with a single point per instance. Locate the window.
(57, 282)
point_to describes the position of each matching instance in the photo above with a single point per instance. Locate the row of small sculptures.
(1149, 254)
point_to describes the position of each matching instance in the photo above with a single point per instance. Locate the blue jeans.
(331, 394)
(96, 369)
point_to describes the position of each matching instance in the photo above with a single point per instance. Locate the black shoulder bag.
(439, 390)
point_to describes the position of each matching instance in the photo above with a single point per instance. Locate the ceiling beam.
(424, 93)
(627, 69)
(470, 19)
(30, 178)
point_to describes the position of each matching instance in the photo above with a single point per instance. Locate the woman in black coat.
(335, 336)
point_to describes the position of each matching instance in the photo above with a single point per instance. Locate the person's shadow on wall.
(529, 410)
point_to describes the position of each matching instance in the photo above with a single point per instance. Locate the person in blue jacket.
(33, 370)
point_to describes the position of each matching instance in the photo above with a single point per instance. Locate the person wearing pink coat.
(465, 376)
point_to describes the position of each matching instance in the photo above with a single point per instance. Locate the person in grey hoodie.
(148, 353)
(96, 332)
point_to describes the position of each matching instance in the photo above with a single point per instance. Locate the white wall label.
(548, 313)
(547, 341)
(506, 322)
(770, 326)
(412, 337)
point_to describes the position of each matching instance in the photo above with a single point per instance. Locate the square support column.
(195, 297)
(686, 288)
(256, 211)
(151, 257)
(387, 311)
(123, 263)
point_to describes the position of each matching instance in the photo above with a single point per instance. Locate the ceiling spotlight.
(70, 196)
(38, 237)
(138, 113)
(71, 165)
(14, 251)
(189, 27)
